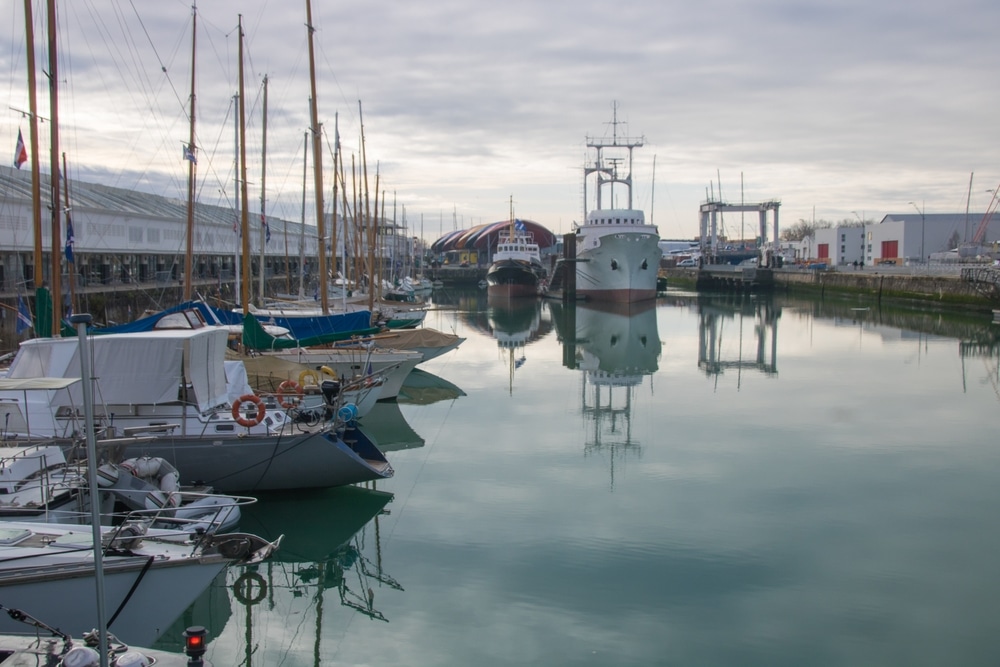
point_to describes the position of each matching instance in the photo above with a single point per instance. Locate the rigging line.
(156, 54)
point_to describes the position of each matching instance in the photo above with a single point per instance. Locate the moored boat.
(617, 252)
(517, 268)
(172, 385)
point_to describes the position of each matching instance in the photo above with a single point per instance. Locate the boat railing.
(195, 516)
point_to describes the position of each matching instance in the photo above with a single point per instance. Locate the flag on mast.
(69, 239)
(266, 229)
(23, 315)
(20, 152)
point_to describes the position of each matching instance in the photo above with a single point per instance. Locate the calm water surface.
(713, 481)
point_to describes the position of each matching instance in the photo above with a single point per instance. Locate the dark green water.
(705, 482)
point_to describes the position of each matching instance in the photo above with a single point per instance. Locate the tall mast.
(333, 230)
(192, 162)
(56, 255)
(36, 187)
(263, 219)
(236, 184)
(302, 227)
(317, 165)
(244, 202)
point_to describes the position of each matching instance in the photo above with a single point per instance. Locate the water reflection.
(514, 323)
(423, 388)
(329, 568)
(738, 334)
(616, 349)
(388, 428)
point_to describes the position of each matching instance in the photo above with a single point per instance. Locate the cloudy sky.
(840, 109)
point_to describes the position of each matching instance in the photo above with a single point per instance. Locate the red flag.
(20, 152)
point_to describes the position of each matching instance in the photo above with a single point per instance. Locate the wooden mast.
(192, 163)
(333, 230)
(317, 166)
(263, 180)
(55, 253)
(302, 227)
(36, 186)
(368, 214)
(244, 202)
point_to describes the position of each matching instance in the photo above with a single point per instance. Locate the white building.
(913, 237)
(839, 245)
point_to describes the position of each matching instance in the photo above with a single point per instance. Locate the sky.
(841, 110)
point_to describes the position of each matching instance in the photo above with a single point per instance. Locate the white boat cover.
(133, 368)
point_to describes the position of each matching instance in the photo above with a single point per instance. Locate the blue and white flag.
(266, 228)
(23, 315)
(519, 225)
(69, 239)
(189, 155)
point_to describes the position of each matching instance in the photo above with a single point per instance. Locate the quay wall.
(943, 291)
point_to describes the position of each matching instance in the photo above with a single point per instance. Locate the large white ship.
(617, 253)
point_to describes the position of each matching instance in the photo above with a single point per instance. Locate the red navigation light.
(194, 641)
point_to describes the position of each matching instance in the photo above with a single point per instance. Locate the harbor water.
(698, 481)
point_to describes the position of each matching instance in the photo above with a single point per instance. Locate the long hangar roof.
(486, 235)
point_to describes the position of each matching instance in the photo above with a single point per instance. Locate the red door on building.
(823, 251)
(890, 249)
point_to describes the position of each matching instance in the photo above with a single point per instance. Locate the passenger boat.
(517, 268)
(617, 253)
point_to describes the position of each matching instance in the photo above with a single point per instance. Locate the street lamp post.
(923, 224)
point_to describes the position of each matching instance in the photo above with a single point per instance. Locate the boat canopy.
(132, 369)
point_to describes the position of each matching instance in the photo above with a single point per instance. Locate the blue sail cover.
(300, 327)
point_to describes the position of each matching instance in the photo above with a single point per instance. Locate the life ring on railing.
(252, 420)
(326, 370)
(308, 373)
(250, 588)
(289, 393)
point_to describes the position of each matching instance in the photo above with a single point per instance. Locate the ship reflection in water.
(514, 323)
(617, 349)
(328, 570)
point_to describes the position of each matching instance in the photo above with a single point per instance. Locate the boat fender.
(289, 394)
(131, 659)
(81, 656)
(309, 374)
(326, 370)
(252, 420)
(250, 588)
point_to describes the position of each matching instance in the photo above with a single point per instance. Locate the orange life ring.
(238, 413)
(289, 393)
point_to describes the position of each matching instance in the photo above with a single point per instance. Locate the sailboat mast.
(244, 201)
(317, 165)
(336, 160)
(263, 182)
(190, 155)
(236, 200)
(302, 227)
(36, 187)
(56, 255)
